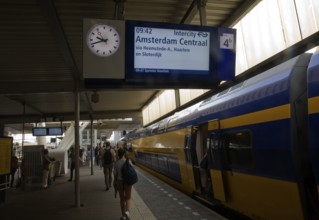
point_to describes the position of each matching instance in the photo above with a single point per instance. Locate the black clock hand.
(100, 38)
(104, 40)
(97, 42)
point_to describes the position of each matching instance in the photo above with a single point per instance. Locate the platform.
(151, 199)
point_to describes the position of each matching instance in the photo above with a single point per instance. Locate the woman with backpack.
(123, 189)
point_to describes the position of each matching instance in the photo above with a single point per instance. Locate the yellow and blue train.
(252, 148)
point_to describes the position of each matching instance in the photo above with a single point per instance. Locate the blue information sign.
(179, 55)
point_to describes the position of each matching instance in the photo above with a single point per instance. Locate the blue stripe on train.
(166, 165)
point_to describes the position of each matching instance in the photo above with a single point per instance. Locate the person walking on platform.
(101, 156)
(109, 159)
(14, 167)
(46, 168)
(124, 190)
(71, 155)
(72, 161)
(96, 155)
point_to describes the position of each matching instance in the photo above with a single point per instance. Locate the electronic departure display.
(168, 50)
(39, 131)
(166, 55)
(54, 131)
(47, 131)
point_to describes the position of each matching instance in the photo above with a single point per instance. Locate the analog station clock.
(103, 40)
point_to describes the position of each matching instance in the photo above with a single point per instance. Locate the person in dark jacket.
(14, 167)
(71, 162)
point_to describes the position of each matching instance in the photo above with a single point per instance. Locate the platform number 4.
(227, 41)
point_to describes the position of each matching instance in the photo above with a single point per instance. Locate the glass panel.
(167, 101)
(315, 11)
(262, 32)
(241, 59)
(306, 17)
(187, 149)
(146, 118)
(289, 21)
(187, 95)
(154, 110)
(238, 149)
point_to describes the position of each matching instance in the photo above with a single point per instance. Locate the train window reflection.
(187, 149)
(238, 149)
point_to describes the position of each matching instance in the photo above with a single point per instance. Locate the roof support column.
(77, 145)
(177, 98)
(91, 147)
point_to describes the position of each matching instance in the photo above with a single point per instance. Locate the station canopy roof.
(41, 54)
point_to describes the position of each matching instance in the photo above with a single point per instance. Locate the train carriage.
(253, 138)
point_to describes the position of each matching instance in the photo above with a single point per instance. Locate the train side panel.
(259, 183)
(163, 155)
(279, 173)
(313, 111)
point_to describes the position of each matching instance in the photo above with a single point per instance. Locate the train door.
(216, 161)
(204, 160)
(197, 154)
(217, 176)
(191, 155)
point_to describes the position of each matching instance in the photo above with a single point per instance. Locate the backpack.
(128, 173)
(108, 157)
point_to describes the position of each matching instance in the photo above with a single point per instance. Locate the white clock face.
(103, 40)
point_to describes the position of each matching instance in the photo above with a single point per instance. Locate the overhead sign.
(168, 50)
(174, 55)
(165, 55)
(47, 131)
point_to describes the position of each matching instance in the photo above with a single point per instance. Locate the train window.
(128, 146)
(187, 149)
(238, 149)
(212, 142)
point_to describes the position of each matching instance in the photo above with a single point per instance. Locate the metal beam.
(201, 5)
(86, 99)
(196, 5)
(77, 197)
(155, 94)
(190, 13)
(69, 116)
(24, 104)
(13, 88)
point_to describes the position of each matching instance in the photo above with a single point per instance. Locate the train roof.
(194, 112)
